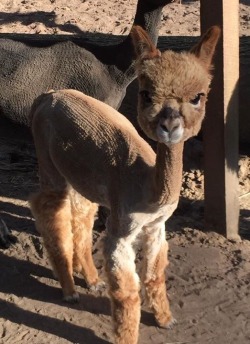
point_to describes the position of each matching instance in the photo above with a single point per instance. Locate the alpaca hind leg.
(155, 261)
(52, 212)
(83, 213)
(123, 289)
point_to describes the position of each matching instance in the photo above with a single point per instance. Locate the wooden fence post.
(221, 125)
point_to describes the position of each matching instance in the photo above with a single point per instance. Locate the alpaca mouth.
(169, 136)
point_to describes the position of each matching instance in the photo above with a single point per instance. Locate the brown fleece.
(52, 211)
(168, 180)
(83, 212)
(125, 300)
(156, 289)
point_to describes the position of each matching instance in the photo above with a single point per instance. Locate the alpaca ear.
(144, 47)
(204, 50)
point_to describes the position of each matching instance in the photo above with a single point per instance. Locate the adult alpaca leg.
(52, 211)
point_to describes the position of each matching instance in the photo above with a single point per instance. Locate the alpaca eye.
(196, 99)
(145, 96)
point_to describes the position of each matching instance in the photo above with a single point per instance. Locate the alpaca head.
(173, 87)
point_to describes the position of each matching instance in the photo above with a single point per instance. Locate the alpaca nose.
(170, 120)
(170, 125)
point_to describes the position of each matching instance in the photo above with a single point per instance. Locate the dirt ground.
(208, 279)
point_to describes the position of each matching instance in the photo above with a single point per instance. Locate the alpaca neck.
(120, 57)
(168, 173)
(148, 16)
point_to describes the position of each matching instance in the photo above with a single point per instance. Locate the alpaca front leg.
(123, 289)
(155, 261)
(52, 212)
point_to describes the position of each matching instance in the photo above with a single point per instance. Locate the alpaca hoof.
(99, 286)
(168, 324)
(74, 298)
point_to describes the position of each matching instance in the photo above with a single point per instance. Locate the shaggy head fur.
(173, 87)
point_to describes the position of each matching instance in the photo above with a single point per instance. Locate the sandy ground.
(208, 278)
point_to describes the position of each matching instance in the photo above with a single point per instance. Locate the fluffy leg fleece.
(155, 262)
(124, 290)
(52, 211)
(83, 212)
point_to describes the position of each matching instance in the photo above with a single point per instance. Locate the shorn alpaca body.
(103, 72)
(90, 154)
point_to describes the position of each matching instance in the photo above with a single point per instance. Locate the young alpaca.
(87, 148)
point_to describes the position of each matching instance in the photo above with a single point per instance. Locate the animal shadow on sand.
(28, 286)
(73, 333)
(60, 328)
(46, 18)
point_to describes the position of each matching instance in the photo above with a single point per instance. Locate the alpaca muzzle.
(170, 127)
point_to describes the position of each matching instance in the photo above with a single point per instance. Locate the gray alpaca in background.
(103, 72)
